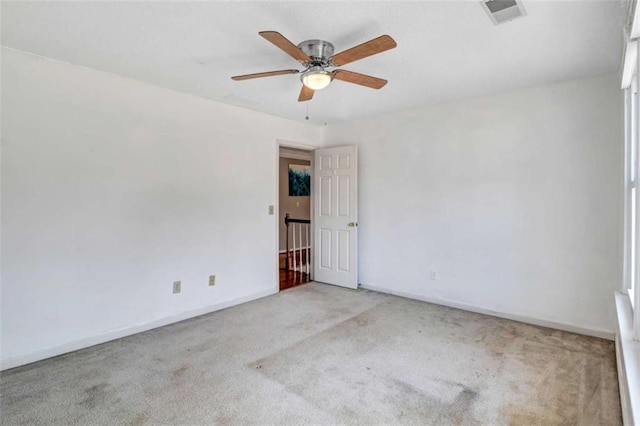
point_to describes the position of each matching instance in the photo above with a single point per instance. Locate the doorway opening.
(295, 255)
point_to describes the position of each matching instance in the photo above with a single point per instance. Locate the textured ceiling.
(446, 50)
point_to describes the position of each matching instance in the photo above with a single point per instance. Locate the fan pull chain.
(307, 117)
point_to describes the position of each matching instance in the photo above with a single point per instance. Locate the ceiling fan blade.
(377, 45)
(280, 41)
(361, 79)
(263, 74)
(305, 94)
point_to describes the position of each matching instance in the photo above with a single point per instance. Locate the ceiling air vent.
(500, 11)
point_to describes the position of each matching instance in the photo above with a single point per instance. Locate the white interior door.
(336, 216)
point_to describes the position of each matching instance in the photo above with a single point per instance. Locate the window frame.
(633, 211)
(631, 194)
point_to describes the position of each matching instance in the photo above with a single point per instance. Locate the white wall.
(514, 200)
(112, 189)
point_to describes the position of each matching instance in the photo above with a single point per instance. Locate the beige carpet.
(319, 354)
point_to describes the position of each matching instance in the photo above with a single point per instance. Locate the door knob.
(353, 224)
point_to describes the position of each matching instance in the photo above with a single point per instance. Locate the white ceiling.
(446, 50)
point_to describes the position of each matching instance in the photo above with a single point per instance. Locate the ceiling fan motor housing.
(319, 50)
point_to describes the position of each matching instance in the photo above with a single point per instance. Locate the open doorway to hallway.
(295, 256)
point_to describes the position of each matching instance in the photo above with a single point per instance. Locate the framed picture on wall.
(299, 180)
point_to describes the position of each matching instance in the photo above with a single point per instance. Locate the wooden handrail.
(288, 220)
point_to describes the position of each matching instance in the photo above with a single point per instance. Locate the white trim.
(75, 345)
(630, 58)
(636, 168)
(297, 248)
(294, 145)
(626, 197)
(558, 325)
(296, 154)
(628, 359)
(635, 19)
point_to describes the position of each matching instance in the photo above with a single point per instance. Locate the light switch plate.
(212, 280)
(177, 287)
(271, 210)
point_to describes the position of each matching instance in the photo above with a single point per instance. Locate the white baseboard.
(587, 331)
(75, 345)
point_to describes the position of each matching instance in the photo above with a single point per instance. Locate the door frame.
(296, 145)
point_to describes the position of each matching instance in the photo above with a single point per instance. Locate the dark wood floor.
(290, 279)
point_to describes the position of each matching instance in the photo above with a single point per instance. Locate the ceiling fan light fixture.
(316, 78)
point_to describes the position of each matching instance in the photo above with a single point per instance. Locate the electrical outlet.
(433, 275)
(271, 210)
(177, 287)
(212, 280)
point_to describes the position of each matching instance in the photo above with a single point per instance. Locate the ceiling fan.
(317, 55)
